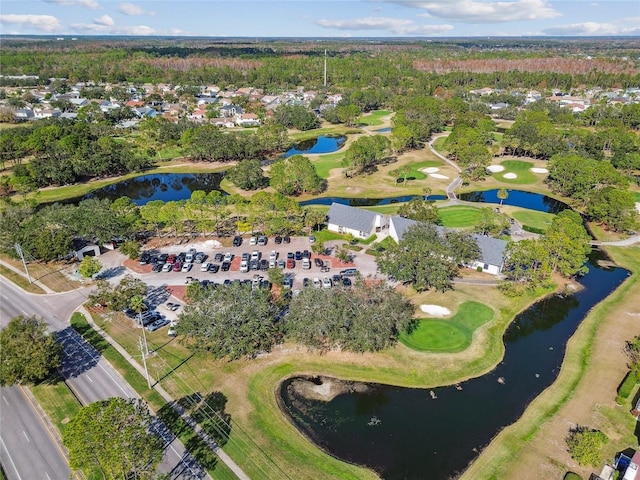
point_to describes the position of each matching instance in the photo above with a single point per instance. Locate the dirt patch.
(134, 266)
(325, 388)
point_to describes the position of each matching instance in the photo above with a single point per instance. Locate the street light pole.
(24, 262)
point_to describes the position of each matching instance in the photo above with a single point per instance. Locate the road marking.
(5, 400)
(89, 378)
(47, 475)
(26, 436)
(10, 459)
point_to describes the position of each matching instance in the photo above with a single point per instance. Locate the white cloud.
(627, 27)
(92, 4)
(113, 29)
(104, 20)
(45, 23)
(396, 26)
(474, 11)
(133, 9)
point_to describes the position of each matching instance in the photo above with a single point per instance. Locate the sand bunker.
(495, 168)
(638, 206)
(437, 175)
(539, 170)
(510, 175)
(430, 170)
(435, 310)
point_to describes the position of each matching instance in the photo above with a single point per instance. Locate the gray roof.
(491, 249)
(351, 217)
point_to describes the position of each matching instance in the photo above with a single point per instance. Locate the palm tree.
(502, 194)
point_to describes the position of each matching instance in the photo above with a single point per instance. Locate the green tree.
(427, 258)
(420, 209)
(614, 208)
(502, 195)
(527, 264)
(275, 275)
(131, 248)
(365, 318)
(138, 305)
(89, 266)
(367, 152)
(585, 445)
(114, 437)
(348, 114)
(567, 243)
(28, 353)
(342, 254)
(248, 175)
(118, 297)
(230, 321)
(295, 175)
(491, 222)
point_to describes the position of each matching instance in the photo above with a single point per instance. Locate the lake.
(322, 144)
(517, 198)
(404, 433)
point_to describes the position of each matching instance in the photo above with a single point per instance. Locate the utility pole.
(325, 68)
(24, 262)
(144, 361)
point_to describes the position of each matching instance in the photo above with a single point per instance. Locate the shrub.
(130, 248)
(479, 269)
(531, 229)
(572, 476)
(585, 444)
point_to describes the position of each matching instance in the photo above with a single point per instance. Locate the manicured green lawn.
(375, 118)
(416, 174)
(325, 163)
(520, 168)
(636, 196)
(57, 401)
(459, 216)
(450, 335)
(532, 218)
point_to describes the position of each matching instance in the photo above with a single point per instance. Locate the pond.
(517, 198)
(383, 130)
(166, 187)
(405, 433)
(322, 144)
(366, 202)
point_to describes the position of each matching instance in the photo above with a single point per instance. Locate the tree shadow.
(110, 273)
(157, 295)
(81, 350)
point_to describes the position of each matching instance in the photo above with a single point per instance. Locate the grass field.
(448, 335)
(533, 218)
(459, 216)
(416, 174)
(636, 196)
(374, 118)
(59, 403)
(20, 280)
(520, 168)
(327, 162)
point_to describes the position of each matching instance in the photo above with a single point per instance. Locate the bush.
(625, 388)
(585, 444)
(131, 249)
(479, 269)
(531, 229)
(572, 476)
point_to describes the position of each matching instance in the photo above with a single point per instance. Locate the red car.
(291, 263)
(177, 267)
(171, 259)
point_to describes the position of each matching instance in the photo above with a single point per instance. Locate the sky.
(322, 18)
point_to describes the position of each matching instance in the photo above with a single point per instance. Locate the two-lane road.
(28, 450)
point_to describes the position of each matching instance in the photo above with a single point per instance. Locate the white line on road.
(88, 378)
(26, 436)
(5, 400)
(10, 459)
(47, 475)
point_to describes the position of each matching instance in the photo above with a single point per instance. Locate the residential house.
(231, 111)
(492, 250)
(24, 114)
(198, 115)
(482, 91)
(83, 248)
(79, 102)
(355, 221)
(41, 113)
(223, 122)
(135, 103)
(247, 120)
(145, 112)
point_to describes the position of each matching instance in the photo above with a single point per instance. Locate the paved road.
(28, 450)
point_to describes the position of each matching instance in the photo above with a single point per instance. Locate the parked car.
(144, 258)
(349, 272)
(205, 267)
(153, 259)
(228, 257)
(162, 258)
(158, 324)
(157, 267)
(273, 255)
(291, 263)
(306, 282)
(188, 258)
(253, 240)
(286, 239)
(281, 264)
(200, 257)
(290, 255)
(237, 241)
(312, 239)
(225, 266)
(172, 332)
(273, 263)
(255, 255)
(171, 258)
(186, 267)
(306, 264)
(326, 282)
(177, 267)
(167, 267)
(262, 240)
(181, 257)
(264, 264)
(318, 262)
(316, 282)
(254, 265)
(245, 256)
(218, 257)
(213, 268)
(287, 282)
(244, 266)
(278, 240)
(306, 254)
(346, 281)
(173, 306)
(298, 255)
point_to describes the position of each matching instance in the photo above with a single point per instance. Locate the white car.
(205, 267)
(316, 282)
(306, 264)
(187, 267)
(326, 282)
(253, 241)
(228, 257)
(255, 255)
(273, 255)
(244, 266)
(167, 267)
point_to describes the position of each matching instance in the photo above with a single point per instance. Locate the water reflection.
(322, 144)
(517, 198)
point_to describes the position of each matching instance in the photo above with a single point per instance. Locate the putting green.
(451, 335)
